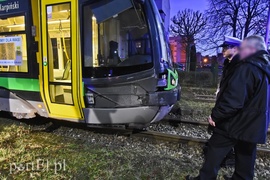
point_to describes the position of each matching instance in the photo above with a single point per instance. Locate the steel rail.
(180, 139)
(197, 123)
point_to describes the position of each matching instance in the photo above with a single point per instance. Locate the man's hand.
(211, 122)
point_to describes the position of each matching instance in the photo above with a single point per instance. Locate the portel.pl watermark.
(39, 165)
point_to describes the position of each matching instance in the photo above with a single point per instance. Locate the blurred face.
(246, 49)
(229, 52)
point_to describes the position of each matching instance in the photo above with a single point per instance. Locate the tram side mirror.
(35, 46)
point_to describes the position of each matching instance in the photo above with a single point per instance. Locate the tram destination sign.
(11, 51)
(6, 6)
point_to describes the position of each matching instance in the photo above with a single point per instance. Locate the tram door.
(62, 82)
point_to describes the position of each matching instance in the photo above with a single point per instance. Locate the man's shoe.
(192, 178)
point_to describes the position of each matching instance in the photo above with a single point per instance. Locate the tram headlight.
(162, 81)
(168, 80)
(173, 82)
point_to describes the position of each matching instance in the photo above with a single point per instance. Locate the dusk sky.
(177, 5)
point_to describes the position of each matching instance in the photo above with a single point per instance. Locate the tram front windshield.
(116, 37)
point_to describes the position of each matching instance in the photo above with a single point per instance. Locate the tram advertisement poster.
(11, 51)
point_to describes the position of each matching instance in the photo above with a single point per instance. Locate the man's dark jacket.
(228, 65)
(242, 109)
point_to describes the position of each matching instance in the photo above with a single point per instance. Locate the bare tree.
(255, 17)
(238, 18)
(223, 15)
(189, 25)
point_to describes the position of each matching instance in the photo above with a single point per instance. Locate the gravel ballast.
(159, 160)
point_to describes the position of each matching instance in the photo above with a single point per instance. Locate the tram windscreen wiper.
(106, 9)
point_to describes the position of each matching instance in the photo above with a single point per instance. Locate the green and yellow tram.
(100, 62)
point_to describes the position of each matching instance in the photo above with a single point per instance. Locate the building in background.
(164, 8)
(178, 48)
(175, 47)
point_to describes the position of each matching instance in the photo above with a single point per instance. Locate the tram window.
(61, 94)
(13, 46)
(59, 44)
(59, 52)
(12, 24)
(121, 40)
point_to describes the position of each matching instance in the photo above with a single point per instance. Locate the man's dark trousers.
(218, 147)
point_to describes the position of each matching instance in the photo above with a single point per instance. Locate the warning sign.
(11, 51)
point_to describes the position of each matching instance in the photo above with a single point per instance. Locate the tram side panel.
(19, 84)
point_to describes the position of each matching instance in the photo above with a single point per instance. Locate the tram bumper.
(131, 115)
(154, 107)
(162, 98)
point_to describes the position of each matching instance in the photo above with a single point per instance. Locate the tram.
(99, 62)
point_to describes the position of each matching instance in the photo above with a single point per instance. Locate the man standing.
(230, 50)
(242, 112)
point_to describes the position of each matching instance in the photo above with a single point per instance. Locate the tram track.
(150, 134)
(181, 139)
(196, 123)
(178, 121)
(155, 135)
